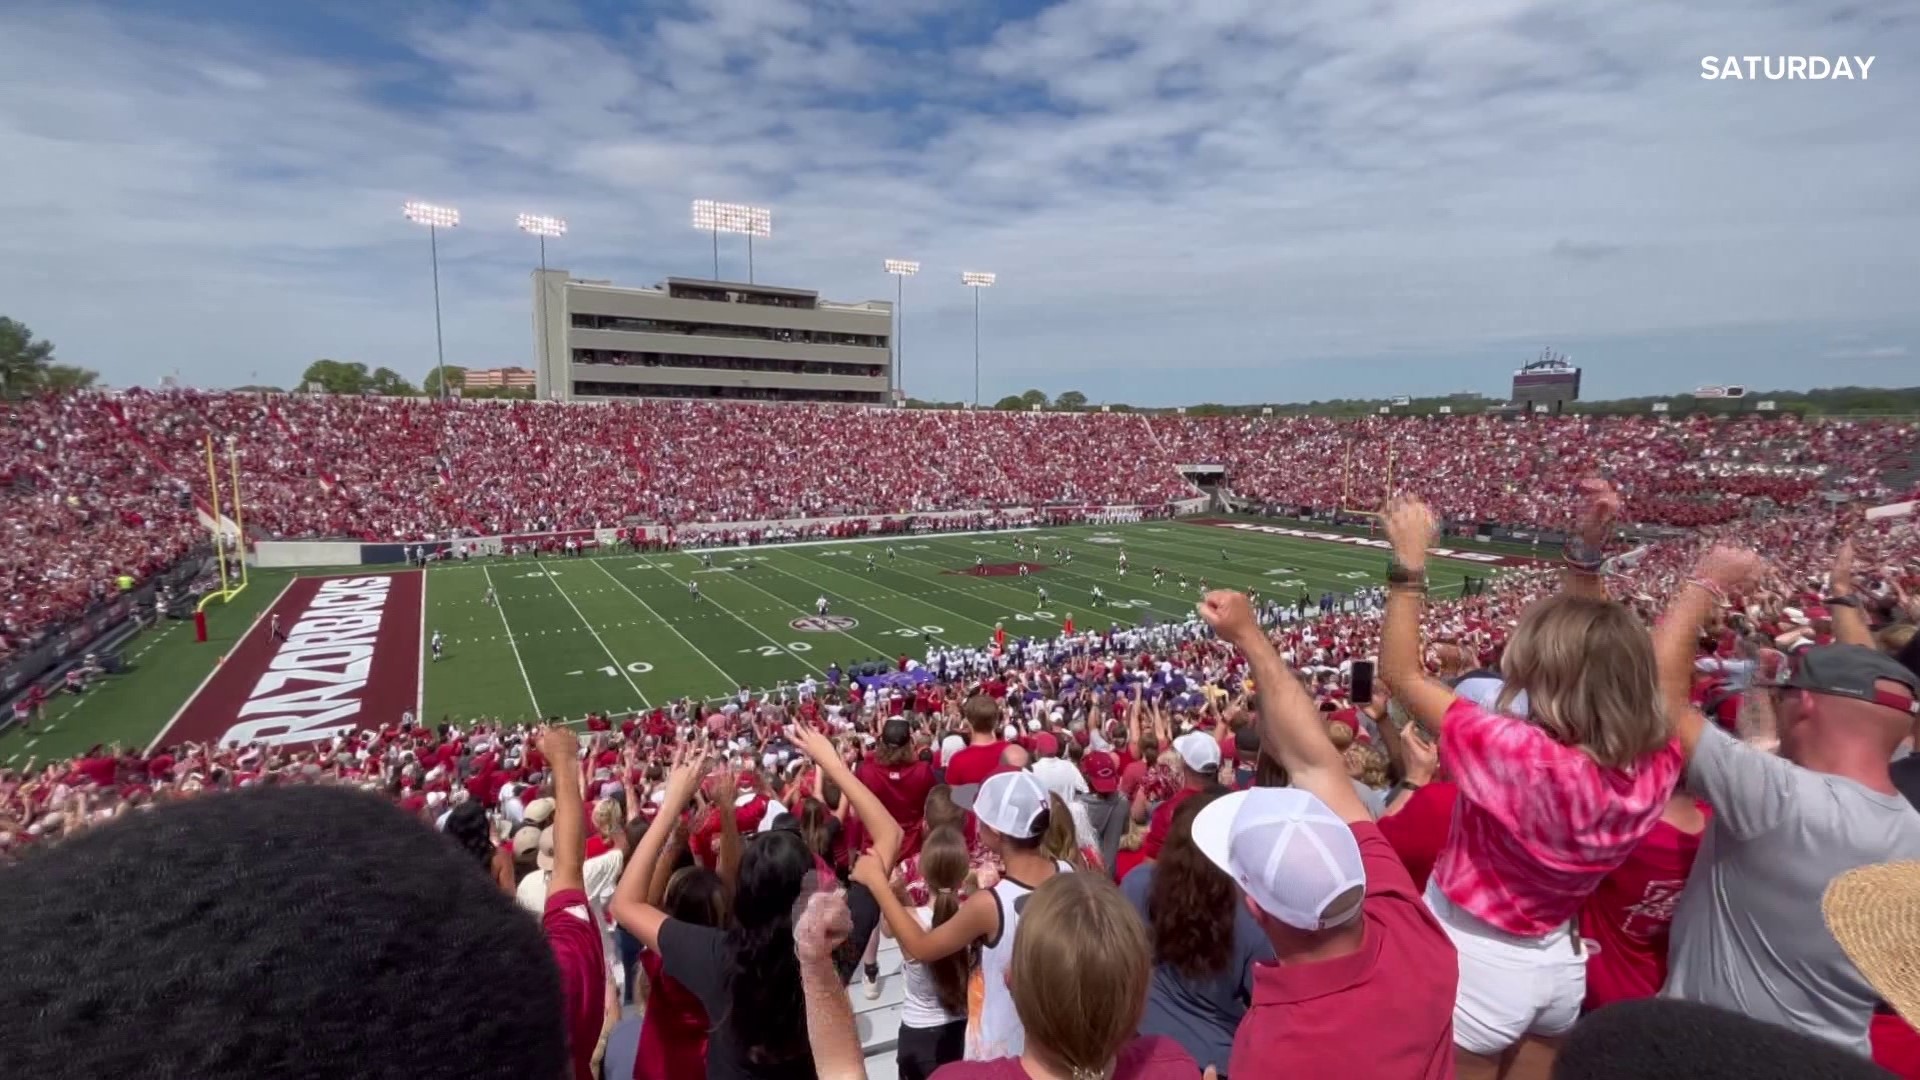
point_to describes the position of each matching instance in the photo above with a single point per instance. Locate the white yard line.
(770, 639)
(731, 681)
(624, 673)
(420, 663)
(511, 644)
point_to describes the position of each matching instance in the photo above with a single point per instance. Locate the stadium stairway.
(878, 1021)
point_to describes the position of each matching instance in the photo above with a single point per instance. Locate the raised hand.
(823, 925)
(1410, 528)
(812, 743)
(1422, 757)
(1728, 567)
(1602, 506)
(1840, 577)
(1229, 614)
(557, 744)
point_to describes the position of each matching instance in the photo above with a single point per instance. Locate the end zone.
(347, 656)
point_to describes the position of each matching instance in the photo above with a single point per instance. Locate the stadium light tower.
(901, 269)
(976, 280)
(543, 226)
(435, 218)
(734, 218)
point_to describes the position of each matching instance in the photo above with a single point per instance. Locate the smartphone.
(1360, 682)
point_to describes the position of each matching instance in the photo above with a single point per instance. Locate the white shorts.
(1510, 986)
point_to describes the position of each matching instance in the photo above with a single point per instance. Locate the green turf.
(620, 631)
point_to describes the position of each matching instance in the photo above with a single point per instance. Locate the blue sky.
(1232, 200)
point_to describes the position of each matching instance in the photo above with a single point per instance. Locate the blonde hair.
(1062, 838)
(1079, 974)
(609, 819)
(1893, 638)
(1588, 671)
(1367, 765)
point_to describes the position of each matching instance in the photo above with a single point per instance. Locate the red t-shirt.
(974, 764)
(1630, 914)
(568, 923)
(1161, 823)
(1419, 830)
(1148, 1057)
(1306, 1019)
(902, 789)
(673, 1030)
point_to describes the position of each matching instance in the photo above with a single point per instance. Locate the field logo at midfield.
(347, 657)
(824, 624)
(1105, 538)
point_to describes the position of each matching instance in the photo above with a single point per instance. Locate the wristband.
(1842, 601)
(1399, 573)
(1719, 595)
(1581, 557)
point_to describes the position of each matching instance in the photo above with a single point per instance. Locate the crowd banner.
(302, 554)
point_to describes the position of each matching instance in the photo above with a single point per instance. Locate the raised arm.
(1849, 621)
(562, 750)
(1676, 638)
(872, 813)
(823, 926)
(630, 906)
(1410, 528)
(1290, 727)
(1586, 553)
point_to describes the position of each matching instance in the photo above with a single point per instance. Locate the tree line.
(27, 365)
(1829, 401)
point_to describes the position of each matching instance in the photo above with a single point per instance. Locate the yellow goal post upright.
(229, 554)
(1346, 485)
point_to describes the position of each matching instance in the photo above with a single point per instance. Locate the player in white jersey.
(489, 598)
(820, 606)
(693, 589)
(869, 562)
(1023, 569)
(1042, 593)
(439, 643)
(1098, 596)
(890, 554)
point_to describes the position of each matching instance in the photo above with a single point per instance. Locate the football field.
(622, 631)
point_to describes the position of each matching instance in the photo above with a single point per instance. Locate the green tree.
(1072, 399)
(337, 377)
(388, 381)
(456, 376)
(27, 367)
(64, 377)
(1032, 398)
(1011, 403)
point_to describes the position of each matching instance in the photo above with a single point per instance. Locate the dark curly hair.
(204, 940)
(468, 829)
(763, 977)
(1190, 900)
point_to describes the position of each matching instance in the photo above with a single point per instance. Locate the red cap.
(747, 782)
(1082, 737)
(1045, 745)
(1103, 772)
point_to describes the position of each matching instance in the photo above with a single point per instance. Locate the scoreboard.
(1551, 381)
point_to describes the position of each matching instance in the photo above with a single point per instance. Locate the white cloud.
(1224, 184)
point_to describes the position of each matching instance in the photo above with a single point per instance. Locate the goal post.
(229, 545)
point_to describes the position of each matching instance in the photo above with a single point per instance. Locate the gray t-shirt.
(1200, 1014)
(1748, 934)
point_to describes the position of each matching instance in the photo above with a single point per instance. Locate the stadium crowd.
(99, 486)
(1648, 814)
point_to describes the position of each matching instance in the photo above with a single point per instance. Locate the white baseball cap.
(1199, 750)
(1009, 803)
(1289, 852)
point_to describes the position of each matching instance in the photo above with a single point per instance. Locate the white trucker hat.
(1289, 852)
(1009, 803)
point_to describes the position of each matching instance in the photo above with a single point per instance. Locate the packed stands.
(102, 485)
(1060, 766)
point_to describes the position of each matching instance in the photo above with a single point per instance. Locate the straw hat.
(1874, 913)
